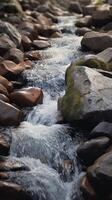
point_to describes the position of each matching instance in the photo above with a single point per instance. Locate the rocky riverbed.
(55, 127)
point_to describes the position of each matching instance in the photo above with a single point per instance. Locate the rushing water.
(40, 142)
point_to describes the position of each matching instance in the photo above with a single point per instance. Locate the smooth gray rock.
(88, 96)
(96, 41)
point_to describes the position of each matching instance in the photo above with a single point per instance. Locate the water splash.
(42, 144)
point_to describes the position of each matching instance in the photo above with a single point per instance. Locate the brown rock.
(27, 97)
(54, 18)
(14, 55)
(82, 31)
(4, 98)
(40, 44)
(96, 41)
(9, 115)
(56, 35)
(3, 90)
(47, 31)
(42, 38)
(27, 64)
(8, 67)
(4, 176)
(27, 26)
(11, 191)
(7, 165)
(84, 21)
(44, 21)
(89, 9)
(102, 16)
(4, 146)
(33, 55)
(87, 189)
(75, 7)
(8, 85)
(26, 42)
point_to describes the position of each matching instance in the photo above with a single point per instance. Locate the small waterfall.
(40, 142)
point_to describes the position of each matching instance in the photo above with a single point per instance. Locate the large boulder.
(11, 31)
(88, 96)
(9, 115)
(90, 150)
(100, 174)
(27, 97)
(96, 41)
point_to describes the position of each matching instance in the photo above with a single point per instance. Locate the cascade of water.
(40, 142)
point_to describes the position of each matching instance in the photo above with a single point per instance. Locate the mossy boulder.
(88, 96)
(94, 62)
(69, 97)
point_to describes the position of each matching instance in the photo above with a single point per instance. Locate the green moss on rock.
(70, 104)
(94, 63)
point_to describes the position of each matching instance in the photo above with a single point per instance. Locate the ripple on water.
(43, 145)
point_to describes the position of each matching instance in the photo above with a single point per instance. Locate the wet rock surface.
(89, 93)
(10, 115)
(33, 57)
(27, 97)
(89, 151)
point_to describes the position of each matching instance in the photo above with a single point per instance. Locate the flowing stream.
(41, 141)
